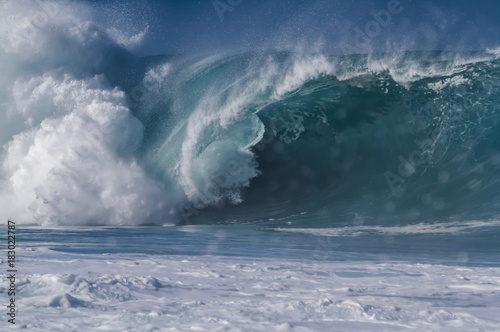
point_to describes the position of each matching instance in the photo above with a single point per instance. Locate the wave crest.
(95, 135)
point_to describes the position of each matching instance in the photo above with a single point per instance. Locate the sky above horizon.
(336, 27)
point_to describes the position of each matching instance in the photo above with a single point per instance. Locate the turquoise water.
(478, 247)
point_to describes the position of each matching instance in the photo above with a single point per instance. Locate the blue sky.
(342, 26)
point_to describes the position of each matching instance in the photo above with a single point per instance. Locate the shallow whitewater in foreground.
(101, 280)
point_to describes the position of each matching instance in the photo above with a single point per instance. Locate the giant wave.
(94, 135)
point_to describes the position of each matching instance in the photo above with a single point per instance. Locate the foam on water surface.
(103, 280)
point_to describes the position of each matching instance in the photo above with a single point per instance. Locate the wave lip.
(359, 136)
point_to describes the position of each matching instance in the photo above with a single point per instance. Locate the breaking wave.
(95, 135)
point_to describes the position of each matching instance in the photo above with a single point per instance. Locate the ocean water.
(257, 277)
(245, 191)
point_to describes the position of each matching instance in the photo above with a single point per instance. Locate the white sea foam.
(61, 292)
(69, 168)
(436, 228)
(70, 157)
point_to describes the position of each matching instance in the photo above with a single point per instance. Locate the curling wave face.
(94, 135)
